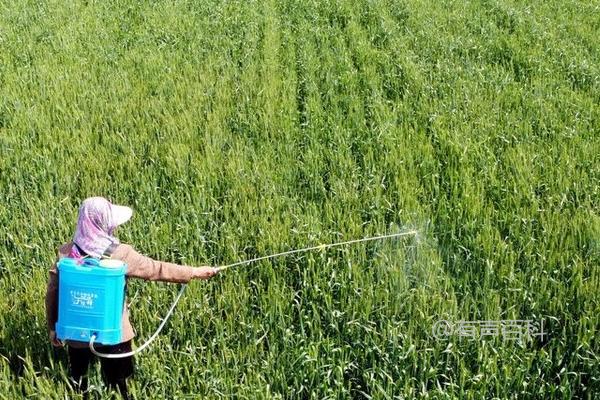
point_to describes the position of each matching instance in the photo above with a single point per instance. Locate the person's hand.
(54, 340)
(205, 272)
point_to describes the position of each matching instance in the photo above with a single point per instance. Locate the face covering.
(97, 220)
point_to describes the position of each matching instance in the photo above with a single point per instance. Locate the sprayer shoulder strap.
(111, 249)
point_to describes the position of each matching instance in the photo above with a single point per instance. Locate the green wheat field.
(237, 129)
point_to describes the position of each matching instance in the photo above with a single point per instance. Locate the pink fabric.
(95, 226)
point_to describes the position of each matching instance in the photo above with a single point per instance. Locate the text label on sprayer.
(82, 299)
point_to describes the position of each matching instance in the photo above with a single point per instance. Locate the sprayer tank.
(91, 294)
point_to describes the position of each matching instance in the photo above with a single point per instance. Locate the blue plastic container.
(91, 294)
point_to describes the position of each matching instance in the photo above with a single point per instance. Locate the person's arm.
(52, 305)
(141, 266)
(52, 299)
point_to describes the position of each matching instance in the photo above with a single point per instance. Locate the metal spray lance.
(225, 267)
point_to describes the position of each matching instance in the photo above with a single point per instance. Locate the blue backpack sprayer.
(92, 294)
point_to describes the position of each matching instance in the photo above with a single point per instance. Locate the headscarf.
(97, 220)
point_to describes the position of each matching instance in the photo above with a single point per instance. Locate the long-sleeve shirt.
(138, 266)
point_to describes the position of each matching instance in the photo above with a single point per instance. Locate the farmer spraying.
(84, 262)
(85, 299)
